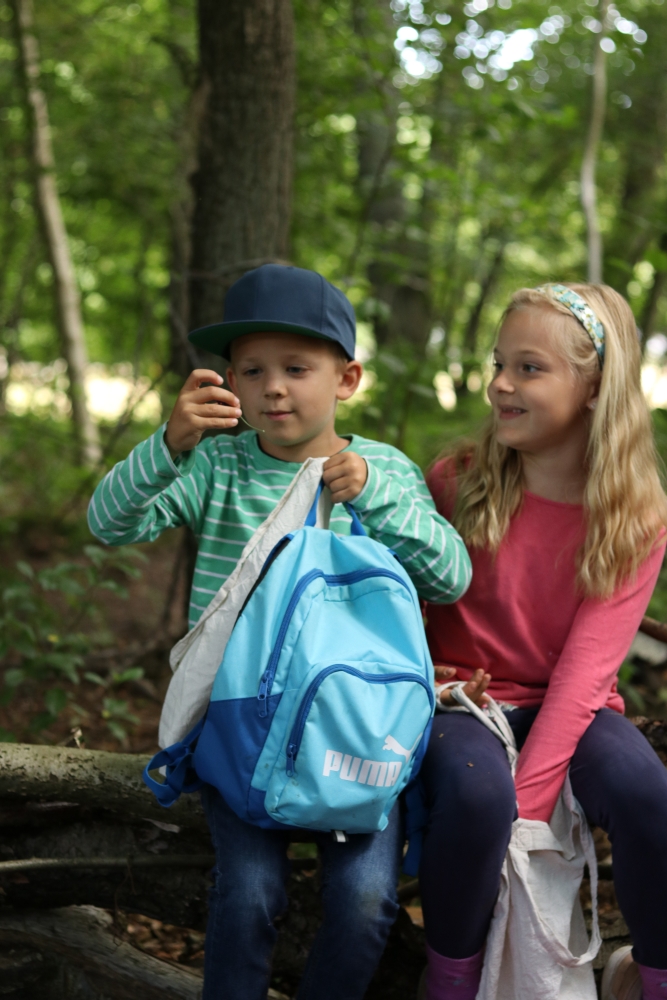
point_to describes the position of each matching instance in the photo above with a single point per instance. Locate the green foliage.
(43, 638)
(433, 176)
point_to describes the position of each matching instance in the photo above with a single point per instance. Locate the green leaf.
(116, 730)
(14, 677)
(6, 736)
(117, 708)
(55, 700)
(26, 569)
(41, 721)
(132, 674)
(95, 678)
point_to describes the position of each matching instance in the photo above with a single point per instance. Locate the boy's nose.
(273, 389)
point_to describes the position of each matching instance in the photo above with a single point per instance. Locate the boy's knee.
(365, 901)
(251, 892)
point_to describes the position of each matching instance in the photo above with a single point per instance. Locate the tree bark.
(68, 299)
(242, 185)
(93, 778)
(109, 968)
(589, 161)
(650, 313)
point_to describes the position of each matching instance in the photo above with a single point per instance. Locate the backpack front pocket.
(353, 735)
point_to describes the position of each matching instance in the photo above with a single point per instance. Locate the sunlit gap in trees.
(420, 42)
(111, 391)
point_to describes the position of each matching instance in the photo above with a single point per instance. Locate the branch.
(136, 861)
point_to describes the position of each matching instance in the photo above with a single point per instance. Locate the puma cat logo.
(391, 744)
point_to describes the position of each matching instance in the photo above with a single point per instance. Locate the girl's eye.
(531, 368)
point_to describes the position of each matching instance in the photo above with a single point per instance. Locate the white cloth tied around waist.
(538, 945)
(196, 657)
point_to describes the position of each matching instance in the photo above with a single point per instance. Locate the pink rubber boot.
(452, 978)
(654, 983)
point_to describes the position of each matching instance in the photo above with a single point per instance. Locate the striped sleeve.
(148, 492)
(397, 508)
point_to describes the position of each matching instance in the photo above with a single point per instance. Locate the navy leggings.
(617, 778)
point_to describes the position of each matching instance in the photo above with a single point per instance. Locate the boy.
(290, 337)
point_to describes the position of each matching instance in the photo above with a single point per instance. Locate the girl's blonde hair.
(624, 503)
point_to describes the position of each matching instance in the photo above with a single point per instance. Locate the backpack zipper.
(331, 580)
(294, 742)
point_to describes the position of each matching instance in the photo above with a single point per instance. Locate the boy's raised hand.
(198, 409)
(345, 474)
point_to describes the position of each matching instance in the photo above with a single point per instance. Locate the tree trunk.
(68, 299)
(486, 286)
(242, 185)
(650, 313)
(589, 161)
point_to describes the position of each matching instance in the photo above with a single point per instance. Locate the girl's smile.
(509, 412)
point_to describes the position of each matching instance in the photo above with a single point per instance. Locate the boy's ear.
(231, 380)
(350, 377)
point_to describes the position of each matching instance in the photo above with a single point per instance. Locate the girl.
(561, 506)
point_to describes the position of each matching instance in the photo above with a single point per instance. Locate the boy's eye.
(296, 369)
(251, 371)
(497, 366)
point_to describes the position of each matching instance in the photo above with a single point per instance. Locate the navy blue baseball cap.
(278, 298)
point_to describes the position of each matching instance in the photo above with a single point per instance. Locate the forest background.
(426, 157)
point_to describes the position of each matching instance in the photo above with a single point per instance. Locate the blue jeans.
(359, 882)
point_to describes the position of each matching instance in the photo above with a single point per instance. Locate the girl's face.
(539, 403)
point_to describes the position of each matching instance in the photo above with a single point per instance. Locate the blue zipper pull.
(291, 758)
(262, 695)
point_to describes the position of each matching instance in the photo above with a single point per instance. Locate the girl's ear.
(594, 393)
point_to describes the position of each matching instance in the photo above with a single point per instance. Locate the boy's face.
(289, 384)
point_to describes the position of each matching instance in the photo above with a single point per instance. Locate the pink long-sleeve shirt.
(544, 644)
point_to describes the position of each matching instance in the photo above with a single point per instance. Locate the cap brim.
(217, 337)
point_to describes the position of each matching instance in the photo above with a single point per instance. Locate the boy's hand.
(475, 687)
(198, 409)
(345, 474)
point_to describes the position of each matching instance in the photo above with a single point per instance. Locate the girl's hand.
(198, 409)
(474, 688)
(345, 474)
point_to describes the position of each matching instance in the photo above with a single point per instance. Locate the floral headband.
(581, 311)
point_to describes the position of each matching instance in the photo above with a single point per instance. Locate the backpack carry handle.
(311, 519)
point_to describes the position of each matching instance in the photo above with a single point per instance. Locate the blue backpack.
(321, 707)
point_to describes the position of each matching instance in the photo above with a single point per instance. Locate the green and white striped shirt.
(226, 486)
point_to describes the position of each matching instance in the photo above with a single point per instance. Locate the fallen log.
(83, 939)
(657, 630)
(93, 778)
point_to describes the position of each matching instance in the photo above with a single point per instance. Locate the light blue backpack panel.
(321, 707)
